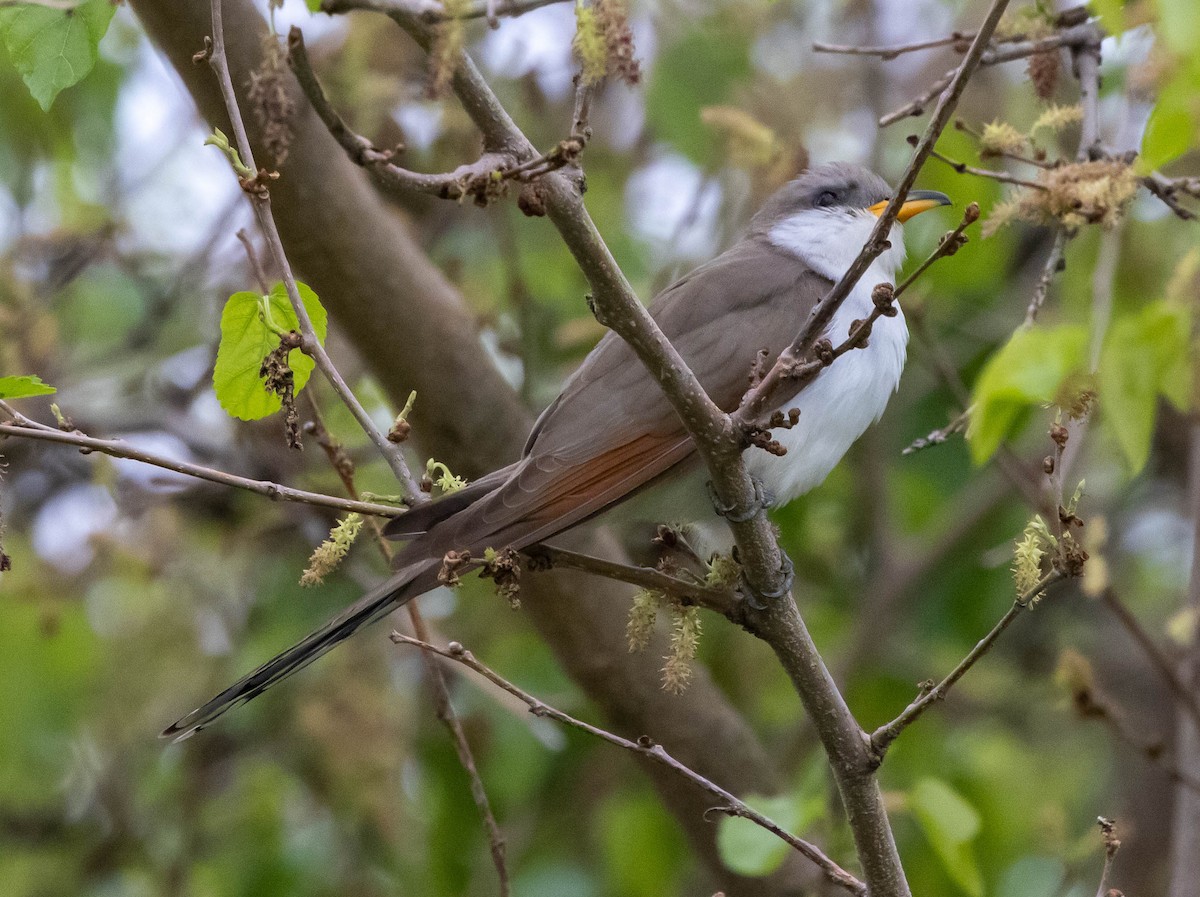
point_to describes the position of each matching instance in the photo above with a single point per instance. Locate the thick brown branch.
(650, 750)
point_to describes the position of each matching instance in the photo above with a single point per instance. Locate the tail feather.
(401, 588)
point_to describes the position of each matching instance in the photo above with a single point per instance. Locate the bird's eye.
(826, 199)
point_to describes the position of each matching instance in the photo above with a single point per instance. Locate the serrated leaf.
(54, 48)
(1029, 370)
(748, 849)
(26, 385)
(1145, 355)
(950, 824)
(246, 341)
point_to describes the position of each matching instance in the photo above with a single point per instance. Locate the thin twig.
(547, 557)
(344, 468)
(761, 397)
(644, 747)
(1075, 36)
(1002, 176)
(940, 435)
(1111, 846)
(117, 449)
(891, 52)
(950, 243)
(256, 267)
(260, 200)
(1055, 262)
(883, 737)
(467, 180)
(1158, 659)
(1091, 703)
(431, 12)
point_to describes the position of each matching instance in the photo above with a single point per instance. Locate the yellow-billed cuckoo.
(611, 432)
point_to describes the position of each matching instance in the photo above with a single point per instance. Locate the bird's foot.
(752, 595)
(763, 499)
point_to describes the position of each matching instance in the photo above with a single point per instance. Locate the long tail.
(401, 588)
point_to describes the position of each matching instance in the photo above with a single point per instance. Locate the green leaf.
(950, 824)
(54, 48)
(1172, 126)
(313, 5)
(1179, 25)
(1028, 371)
(1111, 14)
(1145, 355)
(246, 341)
(748, 849)
(20, 387)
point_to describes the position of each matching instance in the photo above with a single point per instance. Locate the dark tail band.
(396, 591)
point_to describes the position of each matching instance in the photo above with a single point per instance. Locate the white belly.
(835, 409)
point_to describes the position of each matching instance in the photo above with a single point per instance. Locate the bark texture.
(413, 331)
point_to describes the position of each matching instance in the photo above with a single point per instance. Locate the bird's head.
(826, 215)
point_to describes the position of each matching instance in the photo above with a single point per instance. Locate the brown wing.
(719, 316)
(612, 431)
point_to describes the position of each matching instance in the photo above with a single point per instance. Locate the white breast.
(835, 409)
(851, 394)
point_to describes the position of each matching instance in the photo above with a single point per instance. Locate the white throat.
(829, 240)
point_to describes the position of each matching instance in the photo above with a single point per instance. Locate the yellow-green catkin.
(329, 554)
(642, 615)
(685, 640)
(1027, 559)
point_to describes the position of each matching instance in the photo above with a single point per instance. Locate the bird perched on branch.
(612, 433)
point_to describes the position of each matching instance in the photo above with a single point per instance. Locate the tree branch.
(882, 738)
(344, 467)
(546, 557)
(118, 449)
(260, 200)
(647, 748)
(720, 441)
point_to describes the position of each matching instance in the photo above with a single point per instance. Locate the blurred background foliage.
(134, 594)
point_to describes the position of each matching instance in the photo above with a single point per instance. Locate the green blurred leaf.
(1028, 370)
(27, 385)
(950, 824)
(1111, 14)
(679, 88)
(643, 849)
(749, 849)
(1032, 876)
(246, 340)
(54, 48)
(1179, 25)
(1145, 354)
(1171, 129)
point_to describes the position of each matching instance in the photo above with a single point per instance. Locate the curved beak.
(918, 201)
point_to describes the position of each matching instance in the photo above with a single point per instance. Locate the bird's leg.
(787, 568)
(763, 499)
